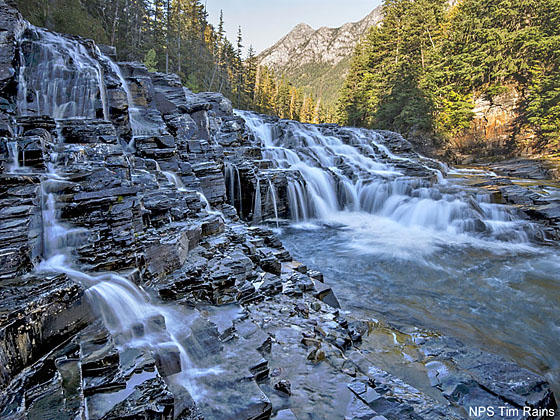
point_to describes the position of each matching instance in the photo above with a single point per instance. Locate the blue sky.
(266, 21)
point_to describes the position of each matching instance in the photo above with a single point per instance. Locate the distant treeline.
(423, 68)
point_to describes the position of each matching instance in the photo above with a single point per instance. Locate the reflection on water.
(499, 296)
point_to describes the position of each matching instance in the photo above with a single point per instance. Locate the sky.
(264, 22)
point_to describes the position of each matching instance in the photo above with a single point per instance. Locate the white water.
(64, 80)
(13, 151)
(272, 192)
(361, 175)
(174, 179)
(257, 208)
(134, 112)
(233, 180)
(120, 303)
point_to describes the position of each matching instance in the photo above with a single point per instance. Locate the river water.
(498, 296)
(409, 241)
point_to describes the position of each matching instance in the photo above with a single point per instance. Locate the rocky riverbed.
(140, 275)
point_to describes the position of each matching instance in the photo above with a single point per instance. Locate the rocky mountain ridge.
(172, 306)
(318, 59)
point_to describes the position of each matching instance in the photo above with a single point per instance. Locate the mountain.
(318, 60)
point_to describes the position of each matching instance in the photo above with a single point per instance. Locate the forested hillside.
(442, 69)
(174, 36)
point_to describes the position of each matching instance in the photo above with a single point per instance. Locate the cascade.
(204, 201)
(174, 179)
(321, 174)
(13, 149)
(272, 193)
(257, 208)
(355, 171)
(120, 303)
(233, 181)
(239, 190)
(65, 80)
(133, 111)
(297, 200)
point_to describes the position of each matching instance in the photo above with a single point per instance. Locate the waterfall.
(293, 201)
(64, 80)
(13, 151)
(272, 192)
(233, 182)
(174, 179)
(353, 170)
(257, 209)
(239, 190)
(134, 112)
(204, 201)
(120, 303)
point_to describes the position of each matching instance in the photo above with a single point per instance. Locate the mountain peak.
(304, 50)
(302, 27)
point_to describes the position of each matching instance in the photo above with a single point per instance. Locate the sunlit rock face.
(140, 275)
(495, 129)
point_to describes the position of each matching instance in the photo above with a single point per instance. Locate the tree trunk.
(115, 23)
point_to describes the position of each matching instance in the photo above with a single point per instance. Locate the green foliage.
(385, 86)
(150, 60)
(425, 65)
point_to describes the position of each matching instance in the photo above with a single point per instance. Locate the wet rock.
(283, 386)
(326, 294)
(358, 410)
(285, 415)
(260, 370)
(37, 313)
(87, 131)
(11, 24)
(168, 359)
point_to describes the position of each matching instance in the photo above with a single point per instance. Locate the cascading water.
(120, 303)
(272, 193)
(64, 80)
(406, 239)
(134, 112)
(233, 180)
(174, 179)
(257, 208)
(13, 150)
(361, 174)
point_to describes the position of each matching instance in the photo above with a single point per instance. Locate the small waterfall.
(297, 200)
(272, 192)
(65, 80)
(239, 190)
(233, 182)
(134, 112)
(257, 209)
(205, 202)
(293, 201)
(102, 90)
(13, 150)
(174, 179)
(120, 303)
